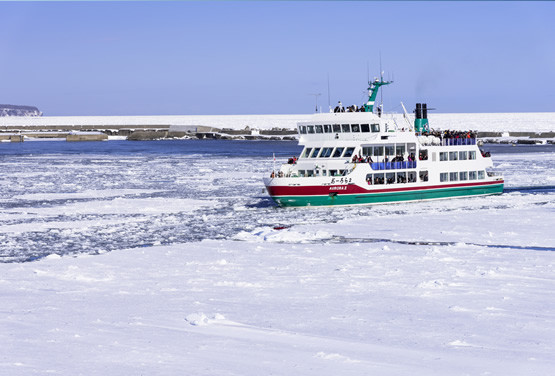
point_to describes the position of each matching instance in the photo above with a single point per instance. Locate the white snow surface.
(498, 122)
(201, 283)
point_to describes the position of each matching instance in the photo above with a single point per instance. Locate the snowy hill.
(12, 110)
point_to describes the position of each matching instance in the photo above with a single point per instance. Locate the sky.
(265, 57)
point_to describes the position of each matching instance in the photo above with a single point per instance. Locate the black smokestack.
(418, 111)
(424, 111)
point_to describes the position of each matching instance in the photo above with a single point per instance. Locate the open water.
(94, 197)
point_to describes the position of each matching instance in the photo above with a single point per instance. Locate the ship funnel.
(421, 118)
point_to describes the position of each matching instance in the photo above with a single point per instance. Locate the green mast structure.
(373, 93)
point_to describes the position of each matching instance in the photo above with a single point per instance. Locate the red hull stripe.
(316, 190)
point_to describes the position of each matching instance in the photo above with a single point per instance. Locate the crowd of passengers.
(447, 134)
(353, 108)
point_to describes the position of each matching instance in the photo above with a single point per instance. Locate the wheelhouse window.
(346, 128)
(310, 129)
(444, 176)
(453, 176)
(319, 129)
(302, 129)
(375, 127)
(355, 127)
(327, 128)
(315, 153)
(336, 128)
(338, 152)
(326, 152)
(348, 152)
(365, 128)
(306, 152)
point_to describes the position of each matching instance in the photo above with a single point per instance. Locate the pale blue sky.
(152, 58)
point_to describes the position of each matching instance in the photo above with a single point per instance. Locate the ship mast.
(373, 92)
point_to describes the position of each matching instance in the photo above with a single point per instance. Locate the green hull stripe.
(377, 198)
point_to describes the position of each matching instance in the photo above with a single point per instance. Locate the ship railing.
(458, 141)
(392, 165)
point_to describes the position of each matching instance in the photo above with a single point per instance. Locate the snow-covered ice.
(175, 265)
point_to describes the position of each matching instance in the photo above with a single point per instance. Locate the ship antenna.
(381, 79)
(316, 97)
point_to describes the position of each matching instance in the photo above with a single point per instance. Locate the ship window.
(453, 176)
(471, 175)
(310, 128)
(471, 155)
(338, 152)
(378, 179)
(365, 128)
(336, 128)
(327, 128)
(315, 152)
(481, 174)
(355, 128)
(423, 175)
(366, 151)
(326, 152)
(302, 129)
(401, 177)
(319, 129)
(423, 156)
(378, 151)
(301, 173)
(309, 173)
(453, 156)
(412, 177)
(390, 178)
(462, 155)
(323, 172)
(375, 127)
(389, 150)
(306, 153)
(444, 176)
(463, 175)
(348, 152)
(400, 149)
(333, 172)
(345, 128)
(443, 156)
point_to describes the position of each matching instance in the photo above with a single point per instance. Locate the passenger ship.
(359, 158)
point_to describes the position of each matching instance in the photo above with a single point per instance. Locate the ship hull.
(300, 196)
